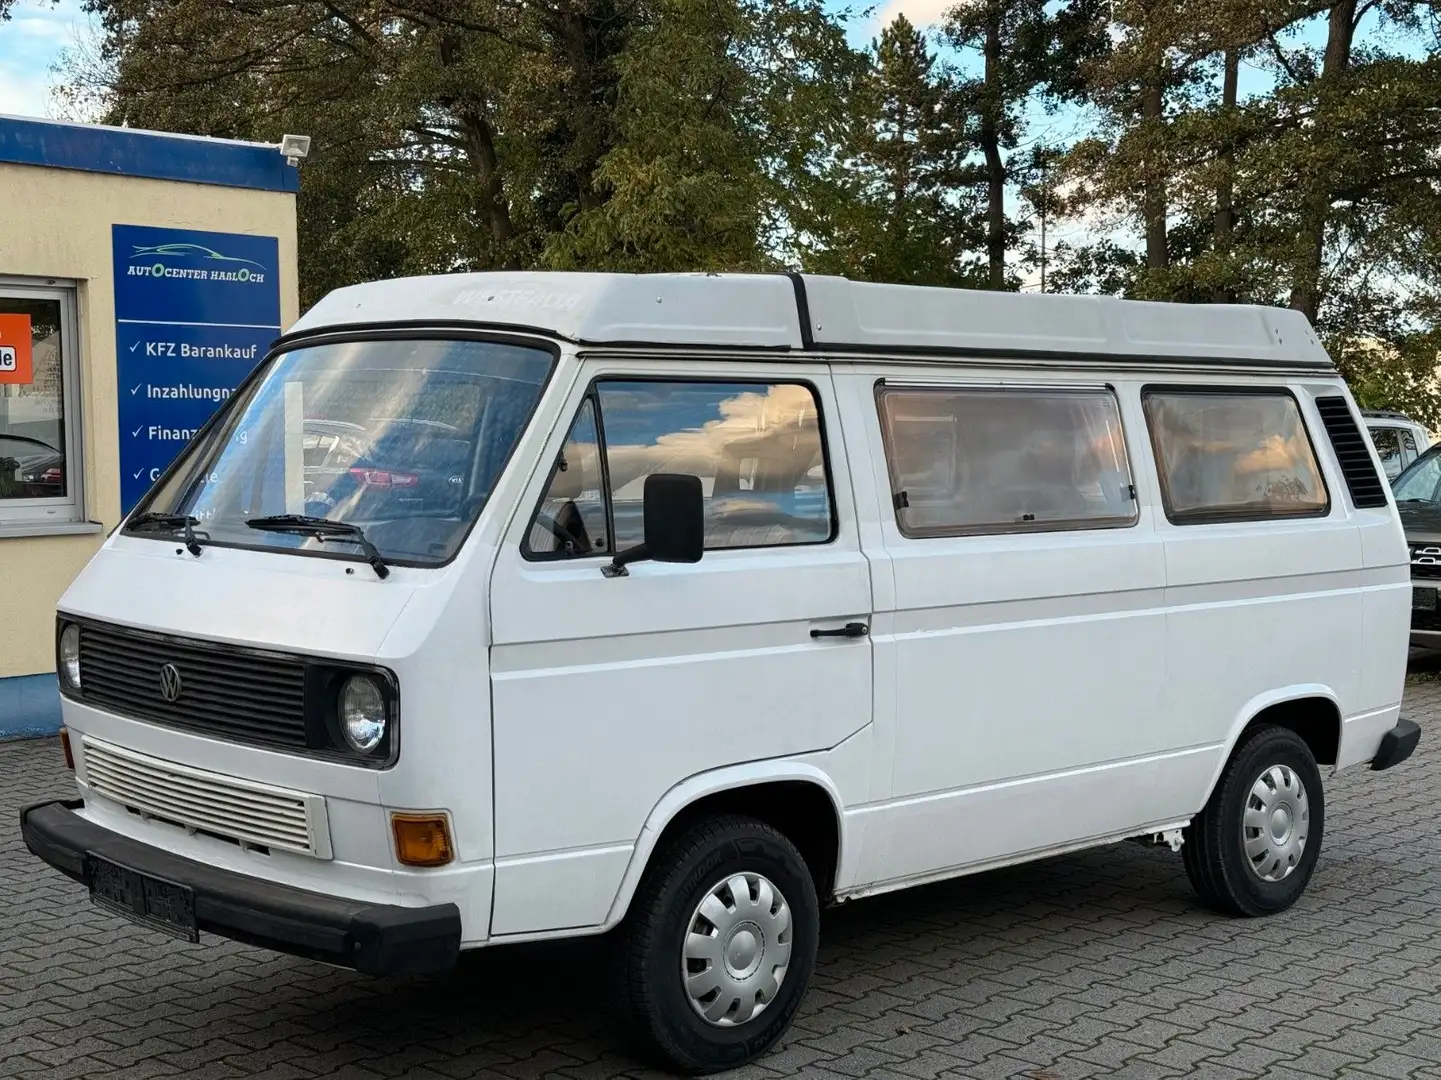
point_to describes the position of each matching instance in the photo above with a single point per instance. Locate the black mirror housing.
(674, 508)
(674, 518)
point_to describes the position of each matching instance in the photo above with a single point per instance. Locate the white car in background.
(1399, 439)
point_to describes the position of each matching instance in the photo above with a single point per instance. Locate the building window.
(757, 448)
(975, 461)
(40, 473)
(1233, 455)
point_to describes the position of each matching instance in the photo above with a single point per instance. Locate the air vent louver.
(1368, 491)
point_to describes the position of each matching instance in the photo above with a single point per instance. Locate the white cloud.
(30, 44)
(23, 93)
(921, 13)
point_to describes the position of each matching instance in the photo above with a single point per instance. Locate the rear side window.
(1391, 447)
(1233, 455)
(975, 460)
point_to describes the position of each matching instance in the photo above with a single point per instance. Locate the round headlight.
(362, 713)
(70, 656)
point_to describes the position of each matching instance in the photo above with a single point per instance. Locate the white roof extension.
(765, 311)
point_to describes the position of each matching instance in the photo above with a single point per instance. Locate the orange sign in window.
(16, 365)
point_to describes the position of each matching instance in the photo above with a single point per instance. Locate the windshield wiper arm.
(172, 521)
(324, 529)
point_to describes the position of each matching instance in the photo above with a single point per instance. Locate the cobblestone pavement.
(1099, 964)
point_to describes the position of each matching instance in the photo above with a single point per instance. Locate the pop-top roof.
(803, 312)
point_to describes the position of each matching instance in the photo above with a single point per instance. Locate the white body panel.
(1017, 695)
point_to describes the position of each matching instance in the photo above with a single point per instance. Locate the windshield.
(1420, 482)
(402, 438)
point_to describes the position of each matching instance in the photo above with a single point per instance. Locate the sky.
(29, 44)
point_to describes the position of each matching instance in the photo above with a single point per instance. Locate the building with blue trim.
(142, 275)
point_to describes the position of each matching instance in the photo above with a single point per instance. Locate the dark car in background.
(1418, 498)
(386, 467)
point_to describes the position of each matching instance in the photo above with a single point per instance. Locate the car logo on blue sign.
(190, 251)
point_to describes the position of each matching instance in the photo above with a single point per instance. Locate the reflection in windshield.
(403, 438)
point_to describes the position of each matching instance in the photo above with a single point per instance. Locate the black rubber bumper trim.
(1396, 745)
(378, 939)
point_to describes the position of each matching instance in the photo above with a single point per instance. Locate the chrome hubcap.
(737, 948)
(1275, 824)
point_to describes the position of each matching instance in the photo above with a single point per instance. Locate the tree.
(903, 210)
(1024, 47)
(472, 134)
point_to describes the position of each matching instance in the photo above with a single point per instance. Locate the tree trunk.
(1311, 241)
(991, 117)
(1153, 198)
(480, 149)
(480, 142)
(1225, 225)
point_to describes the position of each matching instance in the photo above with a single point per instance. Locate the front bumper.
(378, 939)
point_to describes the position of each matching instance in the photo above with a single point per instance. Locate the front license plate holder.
(1423, 599)
(166, 906)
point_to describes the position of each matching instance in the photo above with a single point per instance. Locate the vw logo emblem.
(170, 684)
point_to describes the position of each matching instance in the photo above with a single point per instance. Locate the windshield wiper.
(324, 529)
(172, 522)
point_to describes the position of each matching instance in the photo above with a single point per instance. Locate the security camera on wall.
(295, 148)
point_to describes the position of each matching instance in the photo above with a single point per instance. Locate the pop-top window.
(405, 439)
(1233, 455)
(977, 460)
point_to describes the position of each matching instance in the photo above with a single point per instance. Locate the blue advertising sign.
(194, 313)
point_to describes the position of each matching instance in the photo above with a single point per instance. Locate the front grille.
(248, 813)
(224, 693)
(1426, 560)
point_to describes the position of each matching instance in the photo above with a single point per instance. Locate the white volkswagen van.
(503, 607)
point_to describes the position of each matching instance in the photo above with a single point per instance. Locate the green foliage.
(904, 206)
(748, 135)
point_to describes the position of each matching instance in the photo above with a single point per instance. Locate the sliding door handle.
(851, 629)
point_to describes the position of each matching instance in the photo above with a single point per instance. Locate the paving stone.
(1100, 964)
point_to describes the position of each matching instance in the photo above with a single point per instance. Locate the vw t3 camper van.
(718, 599)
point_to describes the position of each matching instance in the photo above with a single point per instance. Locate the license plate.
(154, 902)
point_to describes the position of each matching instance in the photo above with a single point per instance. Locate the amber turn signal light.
(65, 748)
(422, 839)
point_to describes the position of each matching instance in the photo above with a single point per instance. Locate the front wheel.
(1253, 848)
(717, 950)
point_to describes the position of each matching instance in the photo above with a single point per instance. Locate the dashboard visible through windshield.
(403, 439)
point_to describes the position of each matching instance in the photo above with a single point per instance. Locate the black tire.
(652, 996)
(1214, 851)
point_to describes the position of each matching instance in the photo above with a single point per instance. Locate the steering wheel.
(559, 531)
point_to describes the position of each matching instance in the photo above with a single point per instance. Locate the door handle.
(850, 630)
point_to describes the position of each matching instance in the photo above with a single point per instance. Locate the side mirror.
(674, 507)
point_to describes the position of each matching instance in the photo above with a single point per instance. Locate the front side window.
(571, 519)
(1233, 455)
(756, 447)
(967, 461)
(39, 470)
(404, 438)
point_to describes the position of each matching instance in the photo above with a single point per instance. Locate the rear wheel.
(716, 953)
(1253, 848)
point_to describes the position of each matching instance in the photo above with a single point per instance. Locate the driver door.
(608, 692)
